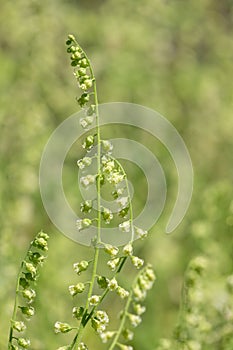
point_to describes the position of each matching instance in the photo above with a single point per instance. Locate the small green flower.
(139, 309)
(141, 233)
(31, 268)
(106, 215)
(87, 180)
(19, 326)
(80, 266)
(88, 142)
(24, 343)
(61, 327)
(105, 336)
(36, 258)
(107, 146)
(128, 249)
(81, 224)
(102, 282)
(86, 206)
(84, 162)
(122, 292)
(128, 334)
(135, 320)
(111, 250)
(76, 289)
(82, 101)
(100, 321)
(112, 264)
(86, 122)
(82, 346)
(94, 300)
(115, 178)
(125, 226)
(78, 312)
(28, 311)
(29, 294)
(112, 284)
(137, 262)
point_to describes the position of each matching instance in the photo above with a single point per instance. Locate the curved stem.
(85, 318)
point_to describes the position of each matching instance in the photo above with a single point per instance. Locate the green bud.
(76, 289)
(27, 311)
(88, 142)
(23, 282)
(19, 326)
(86, 206)
(102, 282)
(80, 266)
(24, 343)
(71, 37)
(84, 63)
(61, 327)
(78, 312)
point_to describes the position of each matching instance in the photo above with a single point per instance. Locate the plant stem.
(77, 339)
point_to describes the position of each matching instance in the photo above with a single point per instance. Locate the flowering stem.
(125, 311)
(16, 304)
(86, 315)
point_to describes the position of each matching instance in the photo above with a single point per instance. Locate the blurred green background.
(173, 56)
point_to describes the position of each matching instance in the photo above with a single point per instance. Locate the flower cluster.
(108, 172)
(25, 292)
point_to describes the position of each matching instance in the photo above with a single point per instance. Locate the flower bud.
(81, 224)
(76, 289)
(125, 226)
(80, 266)
(112, 264)
(135, 320)
(86, 206)
(110, 249)
(128, 249)
(88, 142)
(29, 294)
(107, 146)
(19, 326)
(94, 300)
(61, 327)
(137, 262)
(122, 292)
(24, 343)
(112, 284)
(28, 311)
(87, 180)
(78, 312)
(106, 215)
